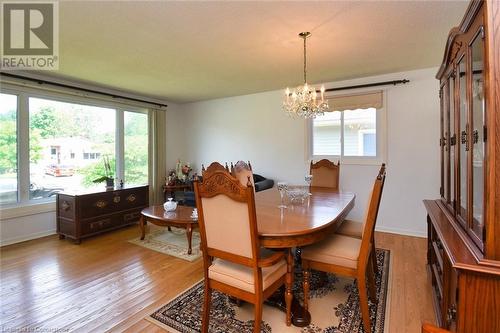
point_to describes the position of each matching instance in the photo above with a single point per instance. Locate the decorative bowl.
(297, 194)
(170, 205)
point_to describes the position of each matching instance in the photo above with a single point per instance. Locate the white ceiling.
(190, 51)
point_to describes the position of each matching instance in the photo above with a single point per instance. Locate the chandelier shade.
(303, 101)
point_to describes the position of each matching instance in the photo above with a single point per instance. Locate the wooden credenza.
(81, 215)
(463, 251)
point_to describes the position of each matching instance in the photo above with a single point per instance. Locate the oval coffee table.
(180, 218)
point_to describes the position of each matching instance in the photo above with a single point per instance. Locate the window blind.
(359, 101)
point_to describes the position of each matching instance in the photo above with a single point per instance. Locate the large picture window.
(8, 149)
(136, 147)
(65, 143)
(349, 133)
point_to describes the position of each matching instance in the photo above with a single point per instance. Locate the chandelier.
(302, 101)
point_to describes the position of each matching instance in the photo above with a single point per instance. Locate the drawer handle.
(116, 199)
(65, 205)
(131, 198)
(101, 204)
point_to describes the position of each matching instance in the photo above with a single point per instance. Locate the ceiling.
(191, 51)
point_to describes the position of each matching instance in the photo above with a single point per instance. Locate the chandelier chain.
(305, 61)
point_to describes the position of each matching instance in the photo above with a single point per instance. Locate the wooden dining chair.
(355, 229)
(325, 174)
(348, 255)
(242, 171)
(233, 261)
(214, 166)
(428, 328)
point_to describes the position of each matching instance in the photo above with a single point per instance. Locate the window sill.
(352, 160)
(27, 209)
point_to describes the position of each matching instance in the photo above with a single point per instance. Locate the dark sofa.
(187, 198)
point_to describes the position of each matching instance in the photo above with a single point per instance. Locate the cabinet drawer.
(133, 198)
(66, 206)
(99, 224)
(97, 204)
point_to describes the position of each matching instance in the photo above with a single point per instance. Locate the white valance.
(367, 100)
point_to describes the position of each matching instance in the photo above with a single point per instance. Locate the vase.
(110, 183)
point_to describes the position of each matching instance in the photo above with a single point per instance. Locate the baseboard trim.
(25, 238)
(53, 231)
(398, 231)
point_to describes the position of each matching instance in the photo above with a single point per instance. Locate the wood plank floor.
(108, 284)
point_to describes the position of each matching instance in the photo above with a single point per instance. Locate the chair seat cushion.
(241, 277)
(335, 250)
(351, 228)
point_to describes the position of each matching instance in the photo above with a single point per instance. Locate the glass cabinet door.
(477, 135)
(446, 141)
(443, 97)
(464, 129)
(452, 142)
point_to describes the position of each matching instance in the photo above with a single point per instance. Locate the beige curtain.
(372, 99)
(158, 141)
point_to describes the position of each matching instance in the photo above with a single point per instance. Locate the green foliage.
(35, 146)
(46, 122)
(8, 146)
(97, 171)
(136, 124)
(136, 159)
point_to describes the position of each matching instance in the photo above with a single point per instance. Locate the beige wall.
(253, 127)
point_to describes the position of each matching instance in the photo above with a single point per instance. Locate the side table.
(169, 190)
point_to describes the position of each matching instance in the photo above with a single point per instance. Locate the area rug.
(173, 243)
(334, 307)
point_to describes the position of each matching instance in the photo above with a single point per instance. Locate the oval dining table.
(299, 225)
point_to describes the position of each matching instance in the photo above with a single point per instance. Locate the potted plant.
(108, 174)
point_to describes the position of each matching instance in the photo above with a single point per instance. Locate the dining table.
(297, 225)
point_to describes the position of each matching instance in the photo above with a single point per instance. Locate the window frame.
(25, 205)
(381, 138)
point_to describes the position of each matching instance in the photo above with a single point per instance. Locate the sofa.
(186, 198)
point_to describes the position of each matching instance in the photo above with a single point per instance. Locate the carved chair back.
(227, 218)
(214, 166)
(372, 213)
(325, 174)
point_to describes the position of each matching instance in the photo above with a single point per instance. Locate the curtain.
(372, 99)
(158, 155)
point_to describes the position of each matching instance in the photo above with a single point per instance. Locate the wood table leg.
(142, 226)
(289, 284)
(189, 234)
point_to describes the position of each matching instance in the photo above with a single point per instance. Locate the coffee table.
(180, 218)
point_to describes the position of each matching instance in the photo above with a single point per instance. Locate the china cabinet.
(464, 224)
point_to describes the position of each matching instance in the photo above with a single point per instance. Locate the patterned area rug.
(334, 307)
(173, 243)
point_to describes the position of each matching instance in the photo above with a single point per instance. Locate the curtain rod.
(62, 85)
(385, 83)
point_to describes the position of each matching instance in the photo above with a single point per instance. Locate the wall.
(253, 127)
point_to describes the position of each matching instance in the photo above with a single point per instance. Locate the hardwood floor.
(108, 284)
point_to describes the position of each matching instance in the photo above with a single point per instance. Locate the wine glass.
(308, 179)
(282, 186)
